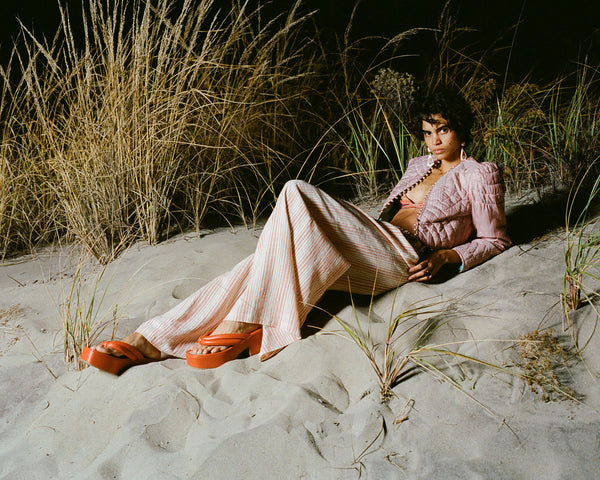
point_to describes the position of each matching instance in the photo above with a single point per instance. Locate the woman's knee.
(298, 186)
(295, 187)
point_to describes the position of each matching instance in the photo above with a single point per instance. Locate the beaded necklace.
(391, 208)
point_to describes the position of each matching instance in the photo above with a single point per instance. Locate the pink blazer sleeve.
(486, 192)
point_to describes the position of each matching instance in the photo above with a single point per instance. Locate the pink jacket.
(464, 210)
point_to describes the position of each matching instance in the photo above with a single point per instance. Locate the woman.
(447, 209)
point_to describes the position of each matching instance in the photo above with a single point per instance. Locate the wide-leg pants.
(310, 243)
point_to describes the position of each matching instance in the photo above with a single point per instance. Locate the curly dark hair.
(451, 105)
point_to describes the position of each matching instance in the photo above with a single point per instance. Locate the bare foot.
(135, 340)
(223, 328)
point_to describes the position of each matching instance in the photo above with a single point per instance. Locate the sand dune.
(313, 411)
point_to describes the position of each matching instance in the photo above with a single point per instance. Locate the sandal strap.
(224, 340)
(129, 351)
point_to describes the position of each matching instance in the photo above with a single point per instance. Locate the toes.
(107, 351)
(205, 350)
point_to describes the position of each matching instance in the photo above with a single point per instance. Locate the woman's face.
(441, 141)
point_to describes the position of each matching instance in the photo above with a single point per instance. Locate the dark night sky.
(552, 33)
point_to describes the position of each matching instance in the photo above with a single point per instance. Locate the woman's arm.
(486, 198)
(486, 193)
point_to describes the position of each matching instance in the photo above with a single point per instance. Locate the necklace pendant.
(433, 162)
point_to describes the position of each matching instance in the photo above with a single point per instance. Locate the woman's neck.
(446, 165)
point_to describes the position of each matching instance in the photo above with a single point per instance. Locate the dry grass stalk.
(545, 363)
(84, 317)
(10, 313)
(573, 291)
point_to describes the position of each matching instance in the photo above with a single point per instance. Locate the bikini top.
(390, 209)
(406, 202)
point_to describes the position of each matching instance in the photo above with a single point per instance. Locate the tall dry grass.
(154, 120)
(150, 124)
(26, 203)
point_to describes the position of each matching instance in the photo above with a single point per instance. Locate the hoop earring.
(463, 154)
(431, 160)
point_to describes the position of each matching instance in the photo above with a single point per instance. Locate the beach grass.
(179, 120)
(83, 312)
(417, 339)
(582, 252)
(146, 128)
(408, 343)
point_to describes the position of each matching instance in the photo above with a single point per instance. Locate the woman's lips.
(437, 152)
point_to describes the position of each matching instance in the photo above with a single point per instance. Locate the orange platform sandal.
(236, 343)
(111, 364)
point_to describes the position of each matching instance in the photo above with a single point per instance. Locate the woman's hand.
(428, 268)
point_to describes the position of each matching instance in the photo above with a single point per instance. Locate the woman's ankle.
(235, 327)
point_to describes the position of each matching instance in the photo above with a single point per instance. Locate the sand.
(314, 410)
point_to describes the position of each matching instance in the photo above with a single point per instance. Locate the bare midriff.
(407, 216)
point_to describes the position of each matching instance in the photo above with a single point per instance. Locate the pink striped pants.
(311, 243)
